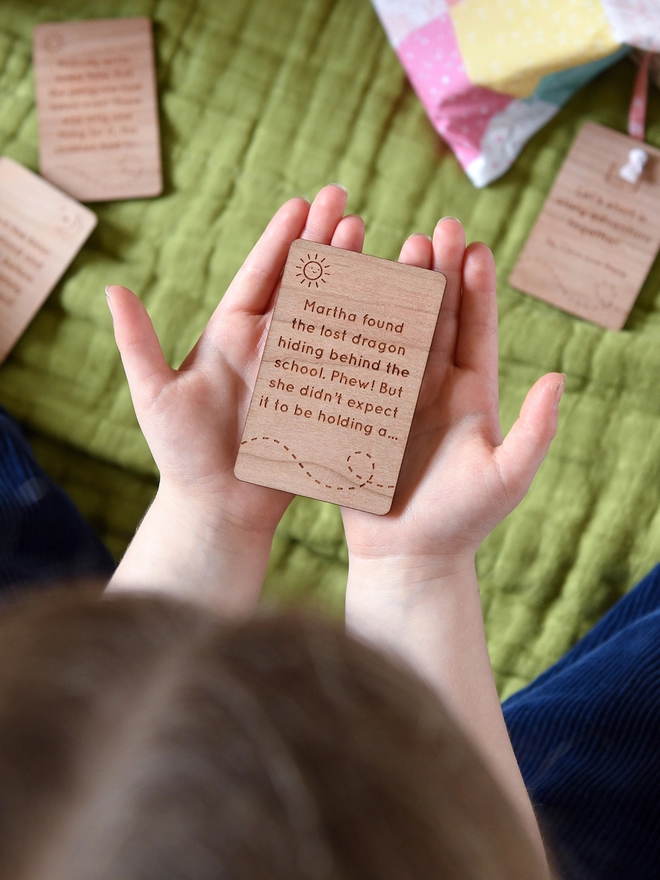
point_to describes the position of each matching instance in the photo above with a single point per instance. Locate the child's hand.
(459, 477)
(412, 586)
(192, 418)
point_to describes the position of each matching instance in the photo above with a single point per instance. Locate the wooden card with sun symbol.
(340, 376)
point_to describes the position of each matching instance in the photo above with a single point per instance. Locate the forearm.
(195, 555)
(435, 624)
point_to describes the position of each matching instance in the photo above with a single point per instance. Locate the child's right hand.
(207, 531)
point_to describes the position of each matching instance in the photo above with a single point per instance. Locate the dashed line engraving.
(353, 457)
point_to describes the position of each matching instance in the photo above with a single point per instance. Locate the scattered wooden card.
(41, 231)
(597, 236)
(340, 376)
(97, 110)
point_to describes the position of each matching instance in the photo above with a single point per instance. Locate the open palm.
(459, 478)
(192, 417)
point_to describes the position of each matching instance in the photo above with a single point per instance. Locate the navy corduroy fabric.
(587, 737)
(43, 538)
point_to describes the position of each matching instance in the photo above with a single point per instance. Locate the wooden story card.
(97, 108)
(41, 231)
(597, 236)
(340, 376)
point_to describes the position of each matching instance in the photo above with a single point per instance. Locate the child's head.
(143, 739)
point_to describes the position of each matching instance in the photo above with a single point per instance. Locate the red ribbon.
(637, 115)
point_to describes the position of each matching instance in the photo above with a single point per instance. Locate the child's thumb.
(144, 363)
(527, 443)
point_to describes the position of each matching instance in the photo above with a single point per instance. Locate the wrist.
(214, 522)
(193, 549)
(397, 602)
(409, 572)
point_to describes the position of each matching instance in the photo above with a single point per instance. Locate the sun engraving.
(312, 270)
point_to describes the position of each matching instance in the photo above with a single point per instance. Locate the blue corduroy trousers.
(43, 538)
(587, 737)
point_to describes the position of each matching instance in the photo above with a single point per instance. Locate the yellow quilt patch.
(509, 45)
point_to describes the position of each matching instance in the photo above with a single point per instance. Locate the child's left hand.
(192, 417)
(459, 477)
(412, 586)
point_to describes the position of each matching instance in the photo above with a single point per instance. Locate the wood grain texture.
(97, 110)
(597, 236)
(41, 231)
(340, 376)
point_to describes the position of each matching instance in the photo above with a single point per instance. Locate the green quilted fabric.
(264, 100)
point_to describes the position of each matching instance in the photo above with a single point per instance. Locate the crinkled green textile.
(264, 100)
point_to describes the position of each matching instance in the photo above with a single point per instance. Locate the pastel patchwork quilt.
(260, 101)
(490, 73)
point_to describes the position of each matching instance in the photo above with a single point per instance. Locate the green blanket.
(261, 101)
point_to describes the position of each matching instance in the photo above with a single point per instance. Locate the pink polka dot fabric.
(459, 110)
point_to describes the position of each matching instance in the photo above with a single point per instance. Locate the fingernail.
(341, 186)
(107, 297)
(305, 199)
(448, 217)
(559, 390)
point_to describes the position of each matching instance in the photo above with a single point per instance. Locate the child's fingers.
(252, 289)
(417, 251)
(448, 252)
(253, 284)
(525, 446)
(144, 363)
(476, 343)
(349, 233)
(326, 211)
